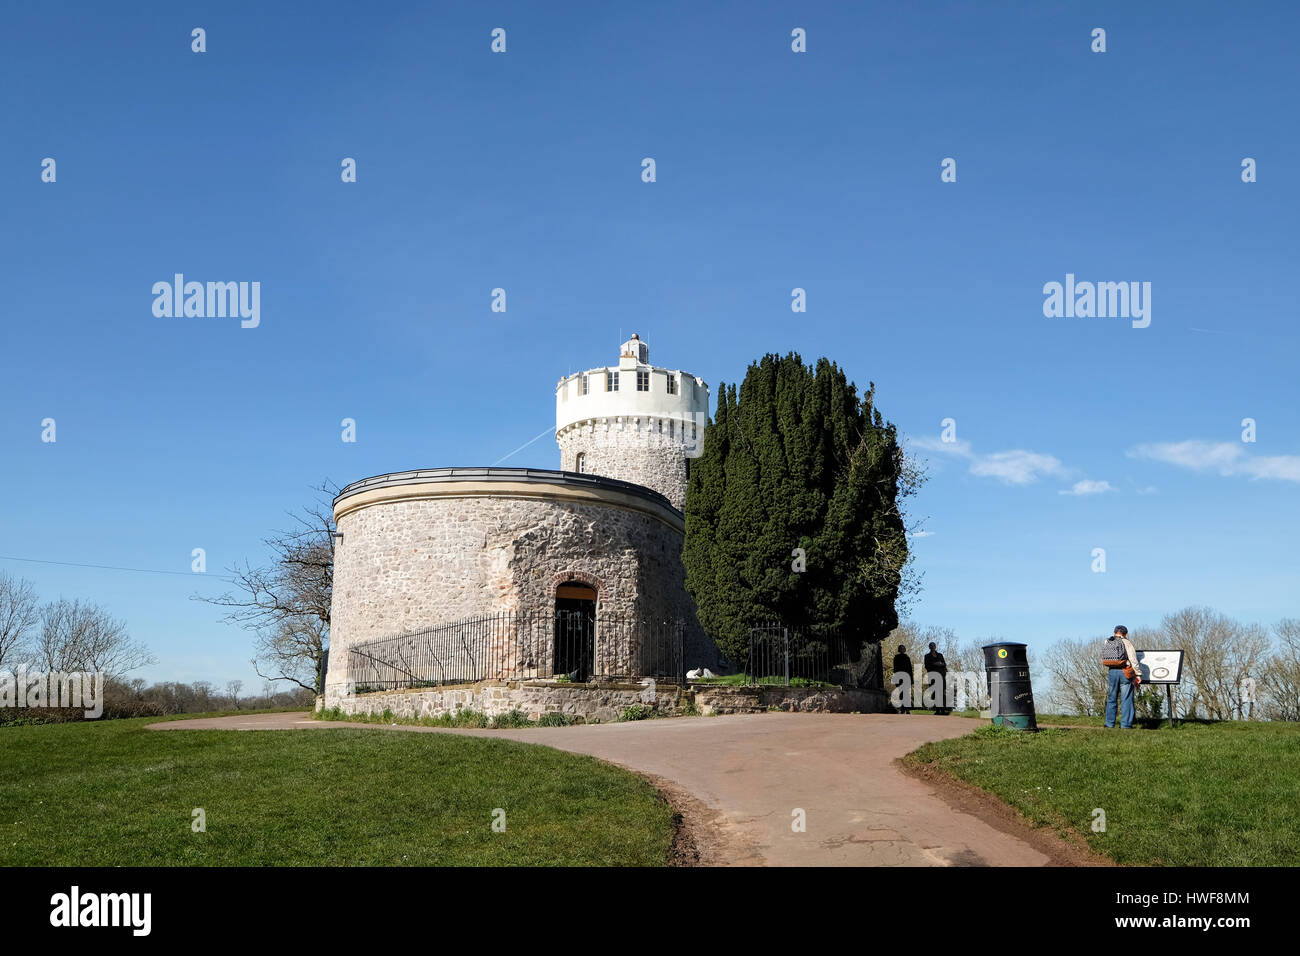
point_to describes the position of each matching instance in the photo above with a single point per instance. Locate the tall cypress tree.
(794, 459)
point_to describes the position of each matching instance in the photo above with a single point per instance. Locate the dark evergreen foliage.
(795, 460)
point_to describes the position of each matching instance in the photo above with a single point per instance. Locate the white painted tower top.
(635, 348)
(630, 392)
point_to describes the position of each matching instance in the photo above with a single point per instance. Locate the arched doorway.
(575, 630)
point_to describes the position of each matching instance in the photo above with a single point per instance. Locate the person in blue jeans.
(1115, 654)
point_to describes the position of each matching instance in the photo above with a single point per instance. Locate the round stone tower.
(633, 422)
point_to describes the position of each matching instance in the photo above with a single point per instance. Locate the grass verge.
(116, 794)
(1197, 795)
(742, 680)
(461, 718)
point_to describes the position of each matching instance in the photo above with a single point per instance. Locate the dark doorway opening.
(575, 630)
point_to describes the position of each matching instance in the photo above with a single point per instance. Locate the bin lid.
(1005, 654)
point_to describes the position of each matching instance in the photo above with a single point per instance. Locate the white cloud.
(959, 448)
(920, 534)
(1016, 467)
(1087, 487)
(1228, 458)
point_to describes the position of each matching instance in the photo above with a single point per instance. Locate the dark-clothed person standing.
(903, 665)
(935, 664)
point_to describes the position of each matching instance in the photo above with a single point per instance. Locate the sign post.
(1162, 667)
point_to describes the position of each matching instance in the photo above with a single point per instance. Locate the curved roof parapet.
(540, 476)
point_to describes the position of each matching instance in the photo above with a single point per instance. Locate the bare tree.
(293, 651)
(1280, 676)
(232, 691)
(18, 615)
(84, 637)
(286, 603)
(912, 476)
(1220, 654)
(203, 695)
(970, 656)
(1078, 681)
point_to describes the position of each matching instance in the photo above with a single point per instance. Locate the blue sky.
(775, 170)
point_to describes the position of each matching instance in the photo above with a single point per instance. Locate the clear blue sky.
(775, 170)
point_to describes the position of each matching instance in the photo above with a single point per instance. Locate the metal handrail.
(488, 473)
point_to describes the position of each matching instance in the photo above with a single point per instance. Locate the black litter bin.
(1010, 697)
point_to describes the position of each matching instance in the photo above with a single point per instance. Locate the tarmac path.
(740, 781)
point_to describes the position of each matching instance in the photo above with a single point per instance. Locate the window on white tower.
(584, 385)
(642, 380)
(672, 384)
(580, 463)
(611, 381)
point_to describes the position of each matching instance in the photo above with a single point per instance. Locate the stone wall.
(424, 555)
(643, 450)
(713, 699)
(605, 702)
(592, 702)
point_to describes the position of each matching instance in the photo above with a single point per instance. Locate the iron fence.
(577, 646)
(781, 654)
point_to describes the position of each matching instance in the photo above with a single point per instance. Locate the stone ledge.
(593, 702)
(728, 699)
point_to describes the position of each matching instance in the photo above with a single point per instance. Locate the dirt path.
(740, 781)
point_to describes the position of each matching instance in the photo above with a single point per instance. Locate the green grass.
(742, 680)
(1219, 794)
(1139, 723)
(639, 712)
(1071, 720)
(204, 715)
(116, 794)
(462, 718)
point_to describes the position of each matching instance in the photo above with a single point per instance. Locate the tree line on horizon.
(63, 635)
(1232, 670)
(72, 636)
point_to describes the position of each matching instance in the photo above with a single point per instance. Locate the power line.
(113, 567)
(548, 430)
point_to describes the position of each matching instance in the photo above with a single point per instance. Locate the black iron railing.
(781, 654)
(576, 646)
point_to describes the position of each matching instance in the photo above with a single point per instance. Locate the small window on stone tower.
(611, 381)
(672, 384)
(642, 380)
(584, 385)
(580, 463)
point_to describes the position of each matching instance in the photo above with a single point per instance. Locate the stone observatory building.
(469, 587)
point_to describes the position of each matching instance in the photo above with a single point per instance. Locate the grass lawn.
(743, 680)
(1222, 794)
(1071, 720)
(115, 794)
